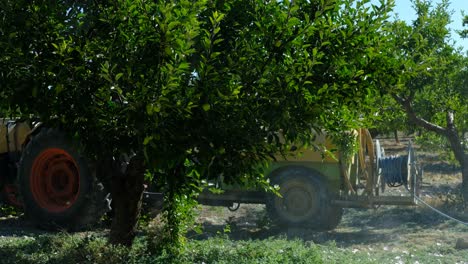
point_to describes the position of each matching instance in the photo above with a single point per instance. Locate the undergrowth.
(86, 248)
(93, 248)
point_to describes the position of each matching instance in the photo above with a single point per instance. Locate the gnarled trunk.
(127, 192)
(450, 132)
(462, 158)
(459, 152)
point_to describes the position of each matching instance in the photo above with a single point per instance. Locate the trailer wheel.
(305, 201)
(58, 189)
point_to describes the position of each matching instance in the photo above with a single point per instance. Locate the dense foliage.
(196, 89)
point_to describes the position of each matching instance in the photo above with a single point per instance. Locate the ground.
(389, 234)
(387, 228)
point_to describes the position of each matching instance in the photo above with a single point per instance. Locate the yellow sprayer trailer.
(42, 171)
(314, 188)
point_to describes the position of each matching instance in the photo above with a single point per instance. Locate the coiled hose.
(394, 170)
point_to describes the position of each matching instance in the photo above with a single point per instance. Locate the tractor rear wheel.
(304, 201)
(58, 189)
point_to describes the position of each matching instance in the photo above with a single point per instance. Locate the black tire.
(305, 201)
(58, 189)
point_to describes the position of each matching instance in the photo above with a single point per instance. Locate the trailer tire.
(58, 189)
(305, 201)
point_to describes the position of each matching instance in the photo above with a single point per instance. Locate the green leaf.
(147, 140)
(118, 76)
(206, 107)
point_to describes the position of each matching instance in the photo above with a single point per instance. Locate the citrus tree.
(185, 91)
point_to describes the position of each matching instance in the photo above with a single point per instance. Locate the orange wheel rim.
(55, 180)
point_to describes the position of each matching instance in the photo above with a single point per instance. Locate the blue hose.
(394, 170)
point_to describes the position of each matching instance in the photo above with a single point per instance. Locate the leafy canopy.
(191, 83)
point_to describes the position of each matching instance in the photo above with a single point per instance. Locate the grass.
(92, 248)
(79, 248)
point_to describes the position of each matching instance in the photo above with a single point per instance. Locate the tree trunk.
(459, 152)
(127, 192)
(464, 188)
(462, 158)
(395, 133)
(450, 132)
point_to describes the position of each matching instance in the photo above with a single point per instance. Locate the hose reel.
(398, 170)
(394, 170)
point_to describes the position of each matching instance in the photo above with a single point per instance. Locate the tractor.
(43, 171)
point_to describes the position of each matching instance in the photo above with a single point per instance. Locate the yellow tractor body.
(12, 135)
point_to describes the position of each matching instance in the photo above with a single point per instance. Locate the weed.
(7, 210)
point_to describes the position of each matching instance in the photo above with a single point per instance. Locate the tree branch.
(406, 104)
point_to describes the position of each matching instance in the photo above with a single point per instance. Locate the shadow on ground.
(15, 226)
(344, 238)
(358, 227)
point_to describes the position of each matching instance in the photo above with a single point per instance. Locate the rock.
(461, 244)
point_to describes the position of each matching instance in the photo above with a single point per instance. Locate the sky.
(405, 11)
